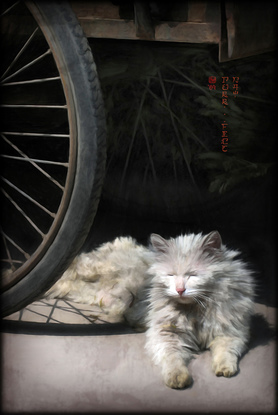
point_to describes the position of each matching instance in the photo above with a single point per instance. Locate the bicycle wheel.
(53, 146)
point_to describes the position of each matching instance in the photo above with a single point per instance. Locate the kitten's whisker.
(200, 296)
(198, 301)
(206, 298)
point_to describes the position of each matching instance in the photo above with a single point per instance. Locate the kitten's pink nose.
(180, 291)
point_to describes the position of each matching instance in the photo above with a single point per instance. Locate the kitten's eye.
(190, 275)
(170, 275)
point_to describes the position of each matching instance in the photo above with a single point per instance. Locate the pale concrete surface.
(112, 373)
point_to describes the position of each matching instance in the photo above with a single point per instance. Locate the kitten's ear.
(159, 244)
(212, 242)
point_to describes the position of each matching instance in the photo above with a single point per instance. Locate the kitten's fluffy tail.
(111, 277)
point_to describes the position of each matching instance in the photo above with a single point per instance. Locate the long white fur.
(214, 311)
(108, 277)
(133, 283)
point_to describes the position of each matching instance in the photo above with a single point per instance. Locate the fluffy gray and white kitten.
(190, 292)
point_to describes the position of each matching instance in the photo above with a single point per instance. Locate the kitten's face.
(183, 266)
(184, 288)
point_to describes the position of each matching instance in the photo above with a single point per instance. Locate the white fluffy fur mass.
(190, 293)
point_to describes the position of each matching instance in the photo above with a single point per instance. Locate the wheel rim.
(39, 148)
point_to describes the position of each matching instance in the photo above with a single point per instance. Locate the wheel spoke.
(33, 106)
(23, 214)
(29, 197)
(36, 134)
(23, 68)
(26, 255)
(20, 52)
(32, 81)
(133, 137)
(9, 259)
(32, 162)
(54, 163)
(10, 8)
(148, 149)
(12, 261)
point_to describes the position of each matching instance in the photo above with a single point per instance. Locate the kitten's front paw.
(226, 369)
(178, 379)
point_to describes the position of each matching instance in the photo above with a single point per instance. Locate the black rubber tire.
(73, 54)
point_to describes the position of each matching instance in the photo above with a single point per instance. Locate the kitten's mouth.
(184, 299)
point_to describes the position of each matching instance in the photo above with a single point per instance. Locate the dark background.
(233, 192)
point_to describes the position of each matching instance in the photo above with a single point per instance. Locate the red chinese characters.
(235, 85)
(225, 94)
(212, 82)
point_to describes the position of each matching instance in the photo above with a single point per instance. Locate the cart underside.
(239, 28)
